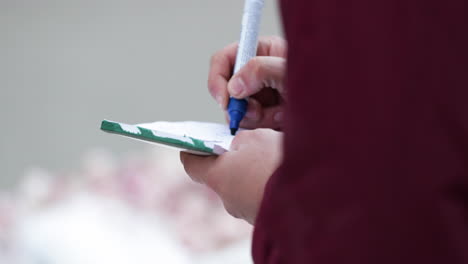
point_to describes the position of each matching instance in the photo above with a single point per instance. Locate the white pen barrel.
(249, 33)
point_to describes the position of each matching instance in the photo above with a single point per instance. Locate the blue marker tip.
(236, 109)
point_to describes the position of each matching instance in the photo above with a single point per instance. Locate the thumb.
(197, 167)
(258, 73)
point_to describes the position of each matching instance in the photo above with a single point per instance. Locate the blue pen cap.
(236, 110)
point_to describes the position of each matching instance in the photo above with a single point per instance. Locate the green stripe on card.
(148, 135)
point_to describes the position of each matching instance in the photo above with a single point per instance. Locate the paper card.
(195, 137)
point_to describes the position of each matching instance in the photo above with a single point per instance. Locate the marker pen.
(246, 51)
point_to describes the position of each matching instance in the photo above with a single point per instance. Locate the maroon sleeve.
(376, 146)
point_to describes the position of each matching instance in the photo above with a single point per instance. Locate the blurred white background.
(71, 194)
(66, 65)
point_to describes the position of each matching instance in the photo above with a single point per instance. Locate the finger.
(252, 116)
(272, 46)
(222, 64)
(254, 110)
(268, 117)
(271, 117)
(240, 140)
(197, 167)
(258, 73)
(221, 67)
(226, 117)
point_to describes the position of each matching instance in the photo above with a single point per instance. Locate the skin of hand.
(261, 79)
(240, 175)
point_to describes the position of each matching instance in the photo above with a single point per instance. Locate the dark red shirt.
(376, 146)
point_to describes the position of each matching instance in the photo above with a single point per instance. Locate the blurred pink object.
(151, 183)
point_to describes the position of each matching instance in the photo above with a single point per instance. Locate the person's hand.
(239, 176)
(261, 79)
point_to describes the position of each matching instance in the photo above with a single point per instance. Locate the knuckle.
(264, 37)
(260, 134)
(242, 135)
(278, 39)
(245, 136)
(275, 37)
(257, 134)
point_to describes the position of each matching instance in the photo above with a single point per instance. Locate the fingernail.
(220, 101)
(236, 87)
(278, 117)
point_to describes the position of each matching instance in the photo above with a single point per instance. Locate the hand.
(239, 176)
(261, 79)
